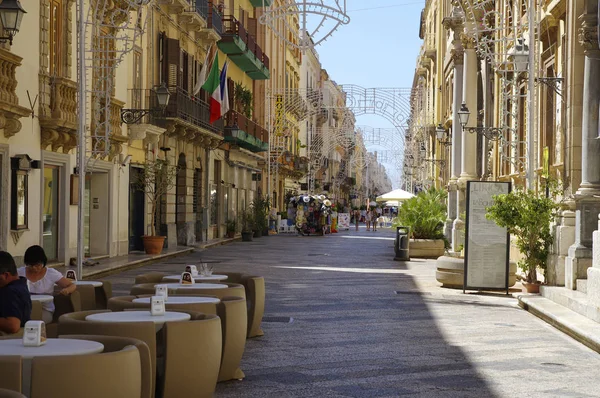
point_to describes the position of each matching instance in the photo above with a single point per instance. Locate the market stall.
(312, 214)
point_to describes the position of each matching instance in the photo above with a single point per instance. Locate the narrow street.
(343, 319)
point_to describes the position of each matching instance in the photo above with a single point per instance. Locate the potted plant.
(231, 227)
(260, 206)
(425, 215)
(246, 220)
(527, 216)
(156, 179)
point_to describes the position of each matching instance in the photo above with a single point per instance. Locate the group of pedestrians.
(369, 216)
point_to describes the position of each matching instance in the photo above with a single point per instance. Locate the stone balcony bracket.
(191, 133)
(148, 133)
(10, 110)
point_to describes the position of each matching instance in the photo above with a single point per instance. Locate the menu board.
(486, 244)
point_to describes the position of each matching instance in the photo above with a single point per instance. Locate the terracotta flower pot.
(532, 287)
(153, 244)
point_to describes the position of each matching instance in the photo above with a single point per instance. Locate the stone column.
(468, 143)
(455, 23)
(587, 197)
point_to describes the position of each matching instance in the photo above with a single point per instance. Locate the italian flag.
(213, 86)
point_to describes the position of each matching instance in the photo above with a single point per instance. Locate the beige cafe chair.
(12, 374)
(113, 374)
(75, 323)
(192, 357)
(114, 343)
(10, 394)
(232, 311)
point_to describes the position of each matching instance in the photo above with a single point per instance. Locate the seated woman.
(41, 280)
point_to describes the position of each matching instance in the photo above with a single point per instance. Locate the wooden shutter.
(173, 54)
(252, 27)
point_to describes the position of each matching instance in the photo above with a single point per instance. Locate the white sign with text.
(486, 244)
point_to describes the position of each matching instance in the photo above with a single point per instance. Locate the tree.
(156, 179)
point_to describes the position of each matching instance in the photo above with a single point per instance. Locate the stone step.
(572, 300)
(582, 285)
(580, 327)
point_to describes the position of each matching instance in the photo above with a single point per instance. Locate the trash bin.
(401, 244)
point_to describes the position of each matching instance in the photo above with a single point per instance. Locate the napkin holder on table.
(70, 274)
(34, 334)
(157, 305)
(192, 269)
(162, 291)
(187, 279)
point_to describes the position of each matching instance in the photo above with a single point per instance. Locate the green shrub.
(424, 214)
(527, 216)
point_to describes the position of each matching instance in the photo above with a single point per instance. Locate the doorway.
(136, 210)
(50, 214)
(96, 210)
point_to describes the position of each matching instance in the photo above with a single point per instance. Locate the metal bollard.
(401, 244)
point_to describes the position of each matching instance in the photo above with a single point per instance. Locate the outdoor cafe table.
(42, 298)
(182, 300)
(175, 286)
(197, 278)
(139, 316)
(89, 283)
(53, 347)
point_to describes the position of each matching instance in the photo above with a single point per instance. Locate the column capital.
(468, 41)
(588, 33)
(457, 55)
(455, 21)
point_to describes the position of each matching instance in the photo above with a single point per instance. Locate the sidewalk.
(113, 265)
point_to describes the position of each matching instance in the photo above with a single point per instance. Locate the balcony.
(186, 118)
(58, 113)
(202, 17)
(261, 3)
(241, 131)
(241, 48)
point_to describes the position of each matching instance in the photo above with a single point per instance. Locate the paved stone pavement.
(363, 325)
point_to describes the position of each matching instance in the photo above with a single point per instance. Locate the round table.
(174, 286)
(42, 298)
(139, 316)
(197, 278)
(89, 283)
(181, 300)
(53, 347)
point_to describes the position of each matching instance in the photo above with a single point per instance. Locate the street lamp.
(491, 133)
(11, 15)
(130, 116)
(520, 55)
(440, 132)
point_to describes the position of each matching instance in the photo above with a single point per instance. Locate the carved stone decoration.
(457, 55)
(588, 33)
(468, 41)
(116, 146)
(10, 110)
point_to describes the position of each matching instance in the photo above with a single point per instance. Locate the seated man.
(15, 301)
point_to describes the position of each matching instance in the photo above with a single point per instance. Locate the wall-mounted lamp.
(442, 135)
(130, 116)
(11, 15)
(491, 133)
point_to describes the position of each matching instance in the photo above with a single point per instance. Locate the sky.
(378, 48)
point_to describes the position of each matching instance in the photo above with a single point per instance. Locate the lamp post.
(11, 15)
(130, 116)
(491, 133)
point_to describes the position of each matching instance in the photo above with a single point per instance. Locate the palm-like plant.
(424, 214)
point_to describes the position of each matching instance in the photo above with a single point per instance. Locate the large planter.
(450, 272)
(426, 248)
(230, 234)
(247, 236)
(153, 244)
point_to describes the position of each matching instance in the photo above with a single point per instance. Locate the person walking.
(368, 217)
(356, 218)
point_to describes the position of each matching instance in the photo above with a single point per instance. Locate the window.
(55, 35)
(136, 100)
